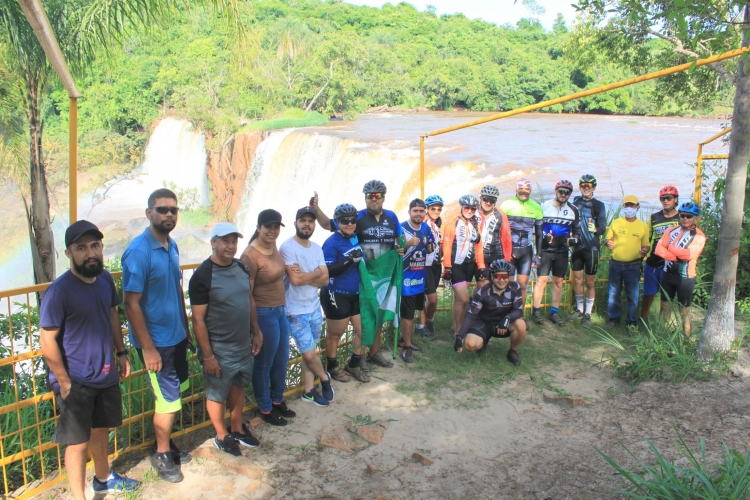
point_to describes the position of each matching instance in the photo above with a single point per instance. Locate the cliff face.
(227, 171)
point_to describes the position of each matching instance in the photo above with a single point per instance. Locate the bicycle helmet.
(374, 186)
(344, 210)
(433, 199)
(523, 183)
(667, 190)
(490, 190)
(690, 208)
(468, 200)
(565, 184)
(587, 178)
(502, 266)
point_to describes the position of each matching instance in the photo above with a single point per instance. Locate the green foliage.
(288, 119)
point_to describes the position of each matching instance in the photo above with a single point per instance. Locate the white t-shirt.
(302, 299)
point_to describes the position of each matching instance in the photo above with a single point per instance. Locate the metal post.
(698, 174)
(421, 166)
(73, 159)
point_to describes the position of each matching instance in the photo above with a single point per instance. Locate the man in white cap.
(220, 299)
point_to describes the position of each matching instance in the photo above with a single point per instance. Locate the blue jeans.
(271, 362)
(629, 275)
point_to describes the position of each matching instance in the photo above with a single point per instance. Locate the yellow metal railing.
(701, 157)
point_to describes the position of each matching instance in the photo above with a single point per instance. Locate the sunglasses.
(166, 210)
(666, 198)
(502, 276)
(346, 222)
(473, 209)
(374, 196)
(686, 216)
(489, 199)
(586, 185)
(436, 208)
(563, 192)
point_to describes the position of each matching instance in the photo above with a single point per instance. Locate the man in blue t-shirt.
(80, 326)
(420, 242)
(155, 305)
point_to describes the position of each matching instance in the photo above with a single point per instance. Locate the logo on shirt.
(378, 231)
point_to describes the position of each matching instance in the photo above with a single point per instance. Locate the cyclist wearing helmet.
(496, 311)
(340, 298)
(426, 326)
(680, 248)
(525, 219)
(561, 232)
(659, 223)
(493, 223)
(463, 255)
(585, 257)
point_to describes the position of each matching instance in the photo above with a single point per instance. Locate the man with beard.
(306, 271)
(79, 322)
(155, 305)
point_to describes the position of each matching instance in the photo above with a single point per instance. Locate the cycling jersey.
(496, 237)
(523, 217)
(560, 223)
(461, 243)
(658, 224)
(376, 237)
(415, 258)
(437, 236)
(594, 211)
(680, 249)
(335, 249)
(491, 307)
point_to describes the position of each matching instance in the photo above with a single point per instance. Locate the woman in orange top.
(680, 248)
(463, 256)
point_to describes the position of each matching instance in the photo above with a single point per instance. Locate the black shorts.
(486, 331)
(463, 273)
(586, 259)
(410, 304)
(432, 278)
(674, 284)
(557, 262)
(339, 305)
(522, 260)
(86, 408)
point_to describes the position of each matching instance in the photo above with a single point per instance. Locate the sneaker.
(245, 438)
(115, 484)
(314, 397)
(430, 326)
(358, 373)
(165, 467)
(586, 321)
(407, 355)
(537, 317)
(379, 359)
(339, 375)
(424, 332)
(611, 323)
(228, 445)
(283, 410)
(414, 346)
(326, 390)
(576, 314)
(180, 457)
(513, 357)
(273, 418)
(556, 319)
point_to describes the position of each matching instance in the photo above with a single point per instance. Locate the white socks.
(579, 302)
(589, 305)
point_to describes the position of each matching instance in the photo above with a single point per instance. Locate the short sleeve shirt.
(82, 312)
(154, 271)
(267, 273)
(629, 237)
(301, 299)
(415, 258)
(376, 237)
(335, 249)
(523, 217)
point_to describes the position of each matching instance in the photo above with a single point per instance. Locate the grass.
(291, 118)
(199, 217)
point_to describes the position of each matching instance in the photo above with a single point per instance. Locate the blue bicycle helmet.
(433, 199)
(690, 208)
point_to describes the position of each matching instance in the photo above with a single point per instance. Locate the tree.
(696, 28)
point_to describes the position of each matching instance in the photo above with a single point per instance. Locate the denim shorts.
(305, 330)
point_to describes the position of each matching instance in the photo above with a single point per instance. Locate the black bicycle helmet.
(587, 178)
(344, 210)
(374, 186)
(502, 266)
(468, 200)
(490, 190)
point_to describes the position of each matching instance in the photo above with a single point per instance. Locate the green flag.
(379, 292)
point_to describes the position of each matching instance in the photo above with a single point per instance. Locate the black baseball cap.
(78, 229)
(268, 217)
(305, 211)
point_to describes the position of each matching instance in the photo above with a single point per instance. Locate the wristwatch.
(122, 353)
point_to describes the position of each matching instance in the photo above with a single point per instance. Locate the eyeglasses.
(473, 209)
(668, 197)
(586, 185)
(489, 199)
(563, 192)
(686, 216)
(165, 210)
(502, 276)
(346, 222)
(374, 196)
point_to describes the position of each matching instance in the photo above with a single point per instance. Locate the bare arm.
(298, 278)
(138, 324)
(53, 357)
(255, 335)
(123, 363)
(320, 217)
(323, 279)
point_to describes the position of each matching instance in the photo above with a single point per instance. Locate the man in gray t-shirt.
(306, 271)
(220, 300)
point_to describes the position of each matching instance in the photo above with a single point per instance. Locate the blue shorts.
(652, 276)
(305, 330)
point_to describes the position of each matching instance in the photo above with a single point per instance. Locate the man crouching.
(496, 310)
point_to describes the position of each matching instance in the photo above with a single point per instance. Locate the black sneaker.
(586, 321)
(430, 326)
(513, 357)
(228, 445)
(274, 418)
(414, 347)
(314, 397)
(556, 319)
(246, 438)
(424, 332)
(283, 410)
(576, 314)
(180, 457)
(326, 389)
(407, 355)
(537, 317)
(165, 467)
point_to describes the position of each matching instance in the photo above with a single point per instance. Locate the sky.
(496, 11)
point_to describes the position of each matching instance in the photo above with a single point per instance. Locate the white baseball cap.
(223, 229)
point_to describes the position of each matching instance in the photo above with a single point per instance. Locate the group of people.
(244, 310)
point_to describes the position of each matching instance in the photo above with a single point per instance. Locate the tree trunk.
(718, 331)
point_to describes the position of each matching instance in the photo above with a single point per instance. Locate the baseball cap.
(78, 229)
(269, 216)
(631, 198)
(305, 211)
(223, 229)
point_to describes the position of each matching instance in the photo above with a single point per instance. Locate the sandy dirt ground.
(514, 442)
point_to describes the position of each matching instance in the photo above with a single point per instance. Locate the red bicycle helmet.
(565, 184)
(669, 190)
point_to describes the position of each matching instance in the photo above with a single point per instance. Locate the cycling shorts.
(585, 259)
(410, 304)
(674, 284)
(463, 273)
(652, 276)
(522, 260)
(557, 262)
(339, 305)
(486, 331)
(432, 277)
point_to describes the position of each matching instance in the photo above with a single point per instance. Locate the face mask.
(629, 211)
